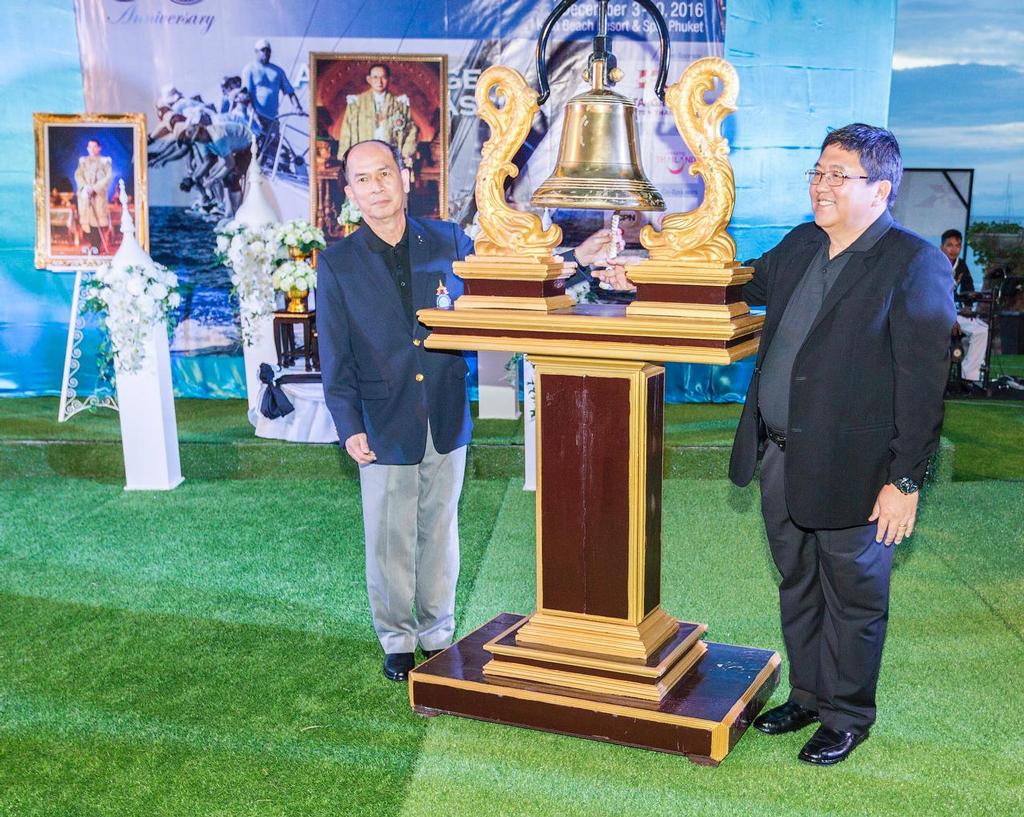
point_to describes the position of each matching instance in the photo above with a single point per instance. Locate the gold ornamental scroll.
(693, 251)
(699, 236)
(513, 245)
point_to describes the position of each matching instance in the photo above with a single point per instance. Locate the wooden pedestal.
(703, 716)
(599, 657)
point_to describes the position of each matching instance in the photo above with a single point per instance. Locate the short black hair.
(951, 234)
(385, 66)
(878, 150)
(395, 154)
(99, 144)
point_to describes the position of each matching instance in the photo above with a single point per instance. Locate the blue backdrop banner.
(186, 61)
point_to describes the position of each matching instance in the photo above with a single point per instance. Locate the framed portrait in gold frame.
(80, 161)
(400, 99)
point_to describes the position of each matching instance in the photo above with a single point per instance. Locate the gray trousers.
(410, 517)
(834, 601)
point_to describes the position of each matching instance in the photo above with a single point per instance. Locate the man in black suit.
(401, 409)
(843, 411)
(967, 323)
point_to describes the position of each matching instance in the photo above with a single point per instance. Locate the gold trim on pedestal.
(540, 303)
(656, 271)
(512, 268)
(668, 309)
(720, 734)
(634, 333)
(598, 684)
(593, 661)
(580, 633)
(585, 348)
(566, 700)
(580, 322)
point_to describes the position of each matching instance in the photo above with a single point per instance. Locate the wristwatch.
(905, 485)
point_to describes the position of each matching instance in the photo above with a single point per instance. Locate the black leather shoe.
(398, 665)
(789, 717)
(428, 654)
(828, 746)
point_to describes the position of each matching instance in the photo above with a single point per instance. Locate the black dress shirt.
(397, 260)
(801, 311)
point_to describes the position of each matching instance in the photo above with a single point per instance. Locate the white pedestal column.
(261, 350)
(529, 426)
(149, 432)
(499, 388)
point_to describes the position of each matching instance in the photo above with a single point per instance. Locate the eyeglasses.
(833, 178)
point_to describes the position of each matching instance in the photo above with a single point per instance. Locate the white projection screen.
(933, 200)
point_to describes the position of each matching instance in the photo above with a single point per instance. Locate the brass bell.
(598, 164)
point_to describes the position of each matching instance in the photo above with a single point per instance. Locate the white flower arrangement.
(134, 301)
(350, 214)
(297, 275)
(581, 293)
(251, 254)
(301, 235)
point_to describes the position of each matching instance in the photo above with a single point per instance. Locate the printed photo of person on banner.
(399, 100)
(79, 162)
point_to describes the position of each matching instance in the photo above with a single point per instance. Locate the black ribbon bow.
(275, 402)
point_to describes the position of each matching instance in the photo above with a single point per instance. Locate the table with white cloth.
(310, 422)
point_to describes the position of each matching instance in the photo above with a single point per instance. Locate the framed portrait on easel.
(399, 99)
(80, 159)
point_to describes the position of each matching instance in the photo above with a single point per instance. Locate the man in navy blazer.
(843, 411)
(401, 410)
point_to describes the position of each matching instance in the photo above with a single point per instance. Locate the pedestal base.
(703, 715)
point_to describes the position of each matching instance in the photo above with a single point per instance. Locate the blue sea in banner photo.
(206, 322)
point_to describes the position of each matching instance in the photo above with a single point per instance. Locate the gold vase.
(298, 300)
(347, 229)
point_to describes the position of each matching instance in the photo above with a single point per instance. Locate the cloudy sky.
(958, 94)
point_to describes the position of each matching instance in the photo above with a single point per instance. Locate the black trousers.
(834, 600)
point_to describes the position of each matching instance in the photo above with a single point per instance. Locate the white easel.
(70, 402)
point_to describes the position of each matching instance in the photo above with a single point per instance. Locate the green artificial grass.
(1008, 364)
(989, 442)
(217, 442)
(209, 651)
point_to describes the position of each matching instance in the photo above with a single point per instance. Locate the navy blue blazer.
(372, 358)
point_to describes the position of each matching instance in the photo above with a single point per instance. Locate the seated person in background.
(974, 329)
(952, 243)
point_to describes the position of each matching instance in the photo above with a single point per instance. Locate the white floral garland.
(134, 300)
(251, 253)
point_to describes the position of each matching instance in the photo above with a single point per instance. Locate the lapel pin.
(444, 300)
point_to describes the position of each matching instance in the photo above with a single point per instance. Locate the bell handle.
(542, 45)
(659, 21)
(562, 8)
